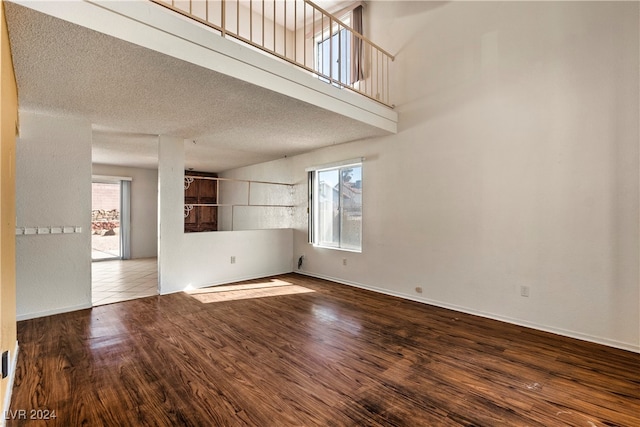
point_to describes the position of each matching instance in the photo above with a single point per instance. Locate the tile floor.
(115, 281)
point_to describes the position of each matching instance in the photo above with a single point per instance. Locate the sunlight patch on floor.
(247, 291)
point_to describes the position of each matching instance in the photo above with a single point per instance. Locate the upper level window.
(334, 56)
(339, 51)
(335, 219)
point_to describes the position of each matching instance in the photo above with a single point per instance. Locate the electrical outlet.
(233, 259)
(419, 289)
(524, 291)
(344, 261)
(5, 364)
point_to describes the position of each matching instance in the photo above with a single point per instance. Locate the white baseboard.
(12, 375)
(27, 316)
(519, 322)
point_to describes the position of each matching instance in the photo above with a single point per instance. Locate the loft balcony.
(245, 81)
(302, 33)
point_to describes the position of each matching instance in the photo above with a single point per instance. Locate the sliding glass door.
(110, 220)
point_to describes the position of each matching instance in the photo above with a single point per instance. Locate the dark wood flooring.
(338, 356)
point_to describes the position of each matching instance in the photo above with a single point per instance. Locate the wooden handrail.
(369, 73)
(354, 32)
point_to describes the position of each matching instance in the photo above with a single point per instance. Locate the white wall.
(170, 213)
(516, 165)
(53, 188)
(206, 257)
(144, 207)
(257, 193)
(193, 260)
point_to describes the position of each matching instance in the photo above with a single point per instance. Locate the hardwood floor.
(324, 355)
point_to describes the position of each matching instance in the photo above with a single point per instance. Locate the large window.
(335, 219)
(334, 56)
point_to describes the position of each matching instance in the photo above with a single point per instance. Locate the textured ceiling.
(131, 94)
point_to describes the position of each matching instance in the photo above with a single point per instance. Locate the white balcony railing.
(302, 33)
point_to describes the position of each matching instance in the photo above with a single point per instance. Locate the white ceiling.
(131, 94)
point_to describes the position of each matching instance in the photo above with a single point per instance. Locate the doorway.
(116, 206)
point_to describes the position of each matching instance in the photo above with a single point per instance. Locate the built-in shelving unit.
(210, 186)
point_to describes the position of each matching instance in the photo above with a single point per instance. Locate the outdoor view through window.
(337, 213)
(105, 221)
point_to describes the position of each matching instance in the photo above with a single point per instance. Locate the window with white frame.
(334, 56)
(339, 51)
(335, 200)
